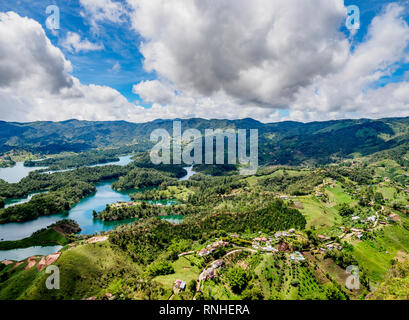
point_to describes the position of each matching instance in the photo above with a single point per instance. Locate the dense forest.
(314, 142)
(145, 239)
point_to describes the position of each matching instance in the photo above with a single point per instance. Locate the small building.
(217, 264)
(394, 217)
(269, 248)
(204, 252)
(297, 256)
(180, 284)
(371, 218)
(321, 237)
(220, 243)
(208, 274)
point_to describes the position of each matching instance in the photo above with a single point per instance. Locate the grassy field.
(86, 270)
(376, 255)
(317, 214)
(338, 196)
(183, 271)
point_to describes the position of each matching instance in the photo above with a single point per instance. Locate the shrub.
(161, 267)
(237, 279)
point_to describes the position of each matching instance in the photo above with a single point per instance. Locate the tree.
(252, 294)
(237, 279)
(334, 293)
(345, 210)
(161, 267)
(379, 198)
(192, 286)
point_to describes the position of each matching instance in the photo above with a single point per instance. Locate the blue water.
(14, 202)
(21, 254)
(81, 212)
(16, 173)
(190, 173)
(123, 161)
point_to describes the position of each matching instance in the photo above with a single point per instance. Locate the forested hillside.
(291, 143)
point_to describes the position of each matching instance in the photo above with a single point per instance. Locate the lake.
(190, 173)
(13, 202)
(16, 173)
(82, 213)
(21, 254)
(19, 171)
(123, 161)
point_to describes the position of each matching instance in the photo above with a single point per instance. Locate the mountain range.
(286, 142)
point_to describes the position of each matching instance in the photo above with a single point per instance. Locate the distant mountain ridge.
(286, 142)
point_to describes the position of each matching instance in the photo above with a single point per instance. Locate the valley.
(205, 232)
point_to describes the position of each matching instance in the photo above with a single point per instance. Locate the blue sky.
(182, 84)
(120, 45)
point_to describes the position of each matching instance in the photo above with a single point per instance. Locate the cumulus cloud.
(36, 84)
(216, 59)
(270, 54)
(97, 11)
(352, 89)
(27, 57)
(155, 91)
(73, 43)
(259, 51)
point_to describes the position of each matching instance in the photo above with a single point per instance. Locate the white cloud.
(257, 51)
(73, 43)
(35, 83)
(154, 91)
(352, 88)
(224, 59)
(271, 55)
(97, 11)
(116, 67)
(27, 57)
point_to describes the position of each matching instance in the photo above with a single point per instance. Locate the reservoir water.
(21, 254)
(16, 173)
(123, 161)
(81, 212)
(190, 173)
(13, 202)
